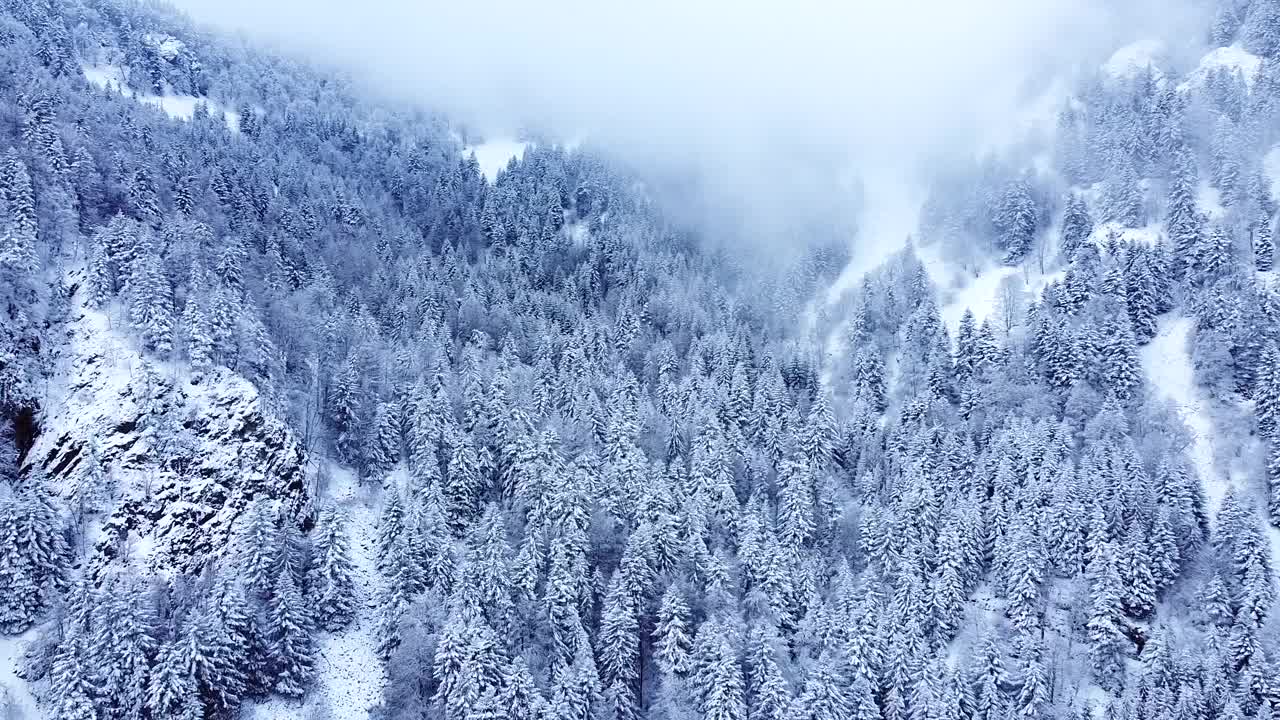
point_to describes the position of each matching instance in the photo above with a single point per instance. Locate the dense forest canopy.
(615, 468)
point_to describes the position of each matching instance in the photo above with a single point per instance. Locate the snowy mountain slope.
(349, 674)
(106, 408)
(16, 699)
(624, 482)
(1134, 58)
(176, 106)
(1231, 59)
(1166, 362)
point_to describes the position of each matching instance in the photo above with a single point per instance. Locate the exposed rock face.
(170, 464)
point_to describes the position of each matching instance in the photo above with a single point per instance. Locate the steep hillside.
(309, 408)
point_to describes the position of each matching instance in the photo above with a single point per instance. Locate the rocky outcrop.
(167, 463)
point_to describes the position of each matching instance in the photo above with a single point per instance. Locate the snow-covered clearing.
(16, 700)
(1166, 361)
(493, 155)
(978, 292)
(1167, 364)
(1147, 235)
(1209, 201)
(349, 674)
(178, 107)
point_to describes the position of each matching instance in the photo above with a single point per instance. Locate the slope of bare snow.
(178, 107)
(348, 673)
(1134, 58)
(1166, 361)
(16, 700)
(1234, 58)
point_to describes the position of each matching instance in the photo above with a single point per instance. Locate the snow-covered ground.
(16, 700)
(1232, 58)
(494, 154)
(1166, 361)
(178, 107)
(979, 292)
(349, 674)
(1271, 166)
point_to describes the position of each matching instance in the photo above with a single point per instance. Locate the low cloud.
(762, 106)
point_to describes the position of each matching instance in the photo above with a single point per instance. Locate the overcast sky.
(752, 95)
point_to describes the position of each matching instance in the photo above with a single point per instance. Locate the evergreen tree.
(172, 690)
(672, 643)
(332, 583)
(247, 637)
(292, 645)
(73, 692)
(1121, 372)
(1266, 394)
(150, 297)
(1016, 220)
(721, 691)
(258, 549)
(1184, 224)
(18, 258)
(1122, 199)
(1077, 226)
(1264, 248)
(1105, 617)
(825, 695)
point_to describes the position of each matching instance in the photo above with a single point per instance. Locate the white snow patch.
(1271, 166)
(1231, 58)
(16, 700)
(1166, 360)
(178, 107)
(1134, 58)
(978, 291)
(579, 234)
(978, 295)
(1147, 235)
(348, 673)
(1209, 201)
(493, 155)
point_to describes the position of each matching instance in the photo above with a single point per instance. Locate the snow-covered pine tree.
(332, 583)
(1016, 220)
(150, 297)
(18, 230)
(1264, 247)
(292, 644)
(171, 692)
(1077, 226)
